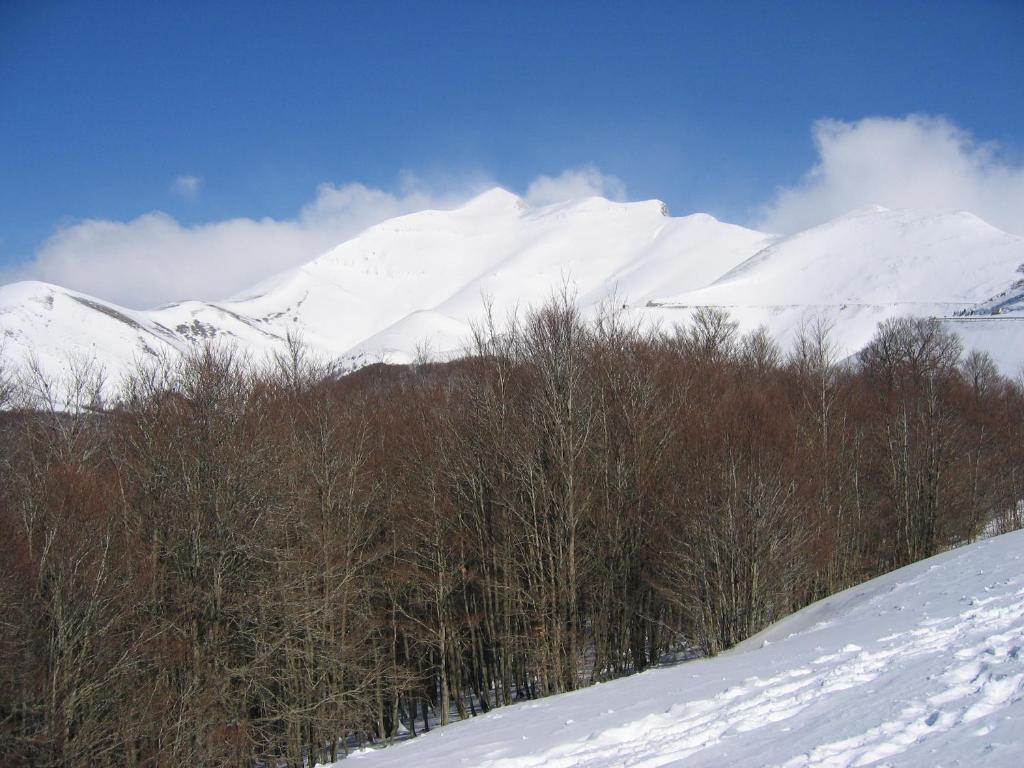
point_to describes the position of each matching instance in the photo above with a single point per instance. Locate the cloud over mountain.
(918, 161)
(153, 258)
(574, 184)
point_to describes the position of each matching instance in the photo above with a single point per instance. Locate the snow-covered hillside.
(872, 264)
(421, 280)
(921, 667)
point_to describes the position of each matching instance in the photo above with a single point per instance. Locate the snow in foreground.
(921, 667)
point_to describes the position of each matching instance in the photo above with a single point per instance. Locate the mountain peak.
(864, 210)
(495, 200)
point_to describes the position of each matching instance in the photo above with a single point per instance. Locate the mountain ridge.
(422, 278)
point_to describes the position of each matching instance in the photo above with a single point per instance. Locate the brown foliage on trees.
(236, 564)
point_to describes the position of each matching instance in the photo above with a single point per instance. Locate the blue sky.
(708, 106)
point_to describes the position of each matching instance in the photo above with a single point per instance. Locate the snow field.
(921, 667)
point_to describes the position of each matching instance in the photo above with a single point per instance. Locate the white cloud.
(187, 187)
(913, 162)
(153, 259)
(573, 184)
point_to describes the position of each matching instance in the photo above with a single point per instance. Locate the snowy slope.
(921, 667)
(872, 264)
(418, 277)
(422, 278)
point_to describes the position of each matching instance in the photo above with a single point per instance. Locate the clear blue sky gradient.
(707, 106)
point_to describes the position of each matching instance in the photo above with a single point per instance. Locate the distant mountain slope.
(877, 256)
(424, 278)
(921, 667)
(873, 264)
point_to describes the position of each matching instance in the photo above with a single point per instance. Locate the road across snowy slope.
(921, 667)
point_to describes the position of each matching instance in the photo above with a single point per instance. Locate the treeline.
(236, 565)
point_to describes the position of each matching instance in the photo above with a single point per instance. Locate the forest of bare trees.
(232, 564)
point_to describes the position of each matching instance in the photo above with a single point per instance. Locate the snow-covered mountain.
(921, 667)
(421, 280)
(872, 264)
